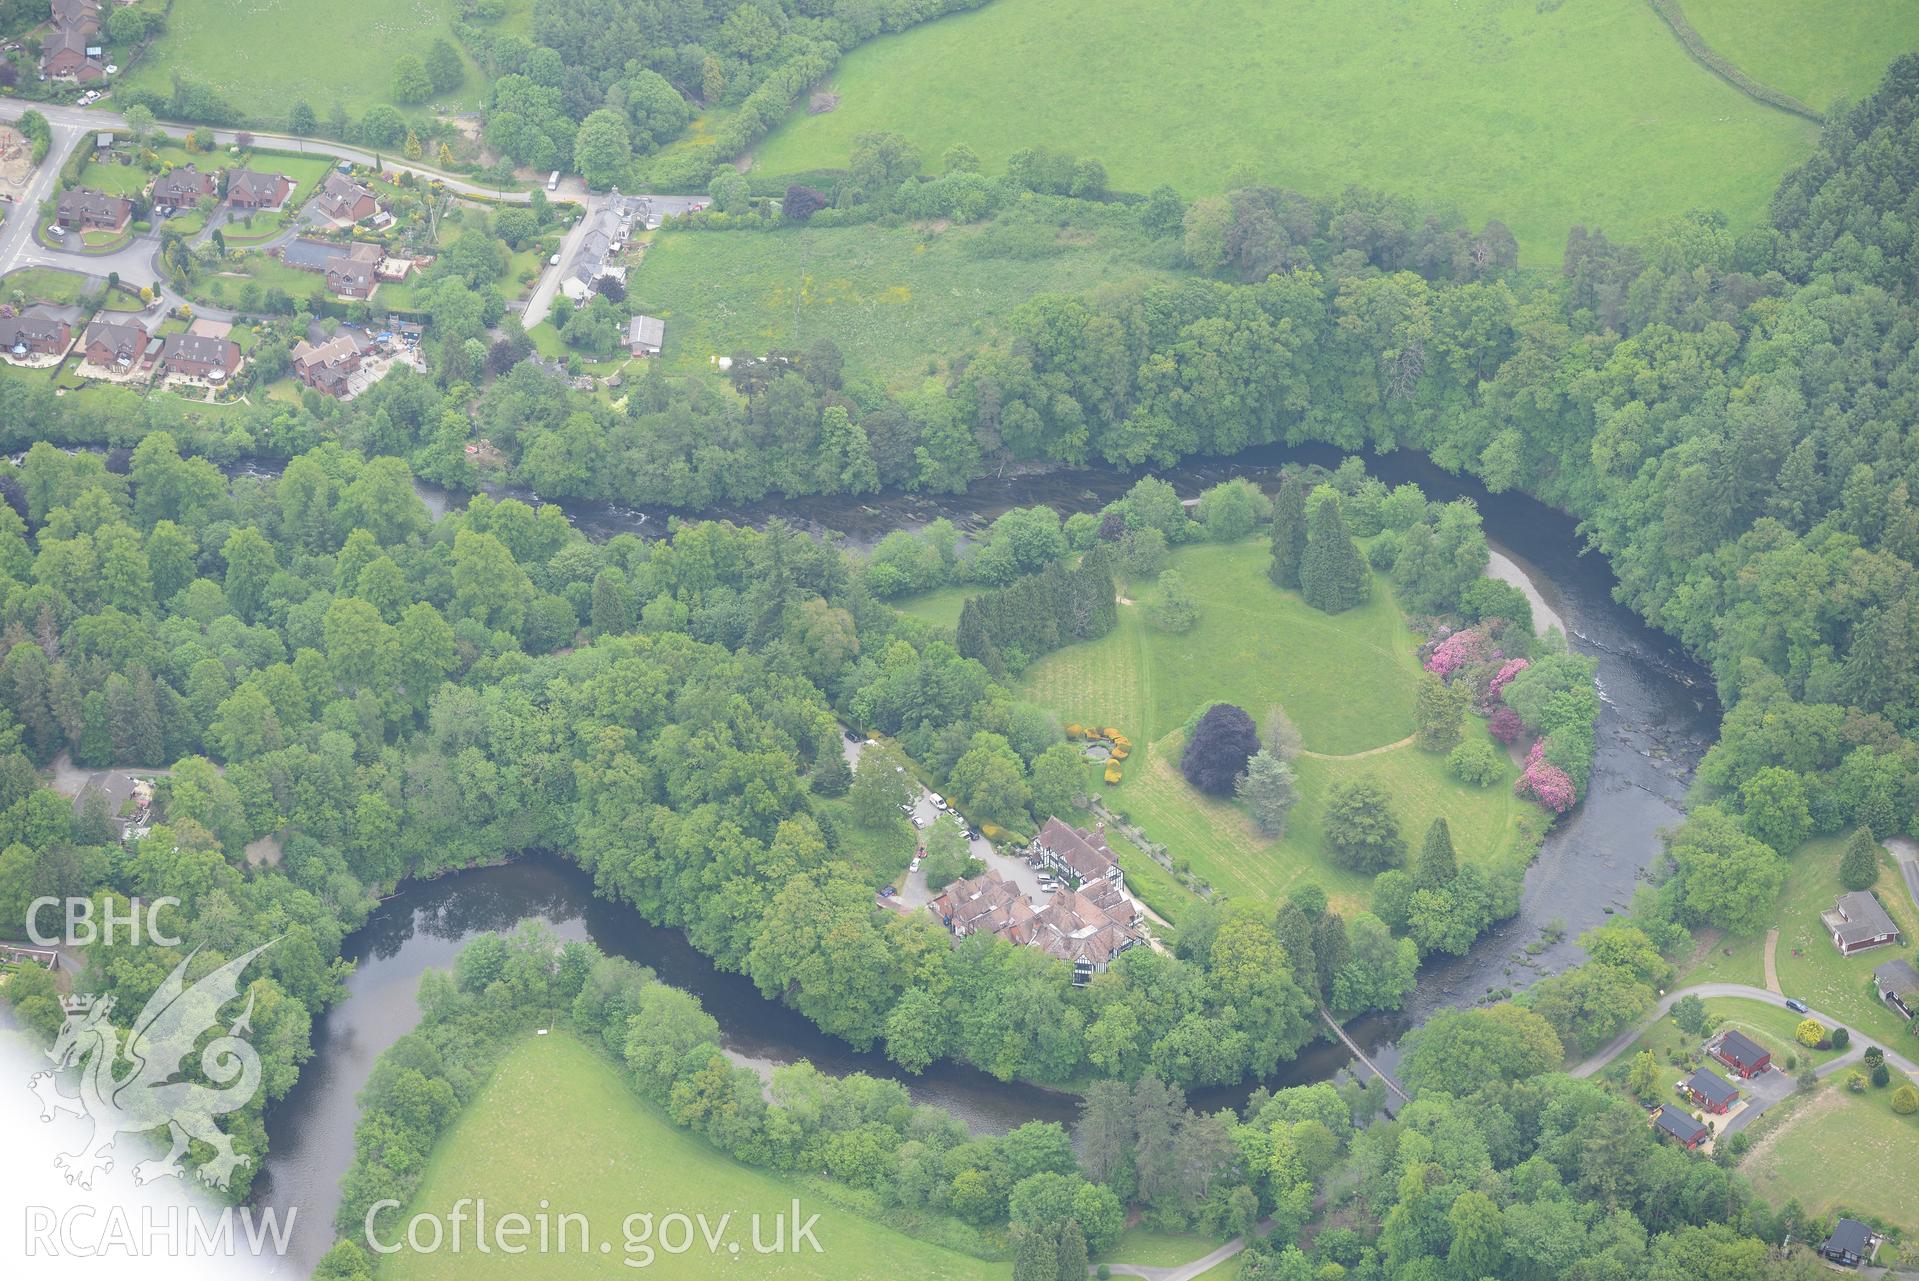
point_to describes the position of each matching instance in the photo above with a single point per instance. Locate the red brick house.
(327, 367)
(84, 209)
(1858, 923)
(1711, 1091)
(249, 190)
(68, 53)
(344, 200)
(115, 345)
(1687, 1131)
(78, 15)
(1745, 1056)
(33, 333)
(211, 360)
(354, 273)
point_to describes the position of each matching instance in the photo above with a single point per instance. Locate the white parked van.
(553, 181)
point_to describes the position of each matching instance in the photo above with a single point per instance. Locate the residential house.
(78, 15)
(34, 333)
(987, 902)
(1074, 929)
(249, 190)
(1680, 1125)
(589, 260)
(181, 188)
(1084, 856)
(345, 201)
(353, 272)
(201, 357)
(128, 801)
(1851, 1244)
(115, 345)
(1745, 1056)
(29, 954)
(1898, 985)
(1711, 1091)
(1859, 923)
(68, 53)
(645, 335)
(84, 209)
(328, 367)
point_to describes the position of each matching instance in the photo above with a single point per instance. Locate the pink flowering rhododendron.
(1504, 676)
(1545, 782)
(1506, 725)
(1461, 649)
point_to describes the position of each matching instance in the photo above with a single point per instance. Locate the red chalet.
(1740, 1053)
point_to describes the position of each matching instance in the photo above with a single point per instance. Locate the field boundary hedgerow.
(1715, 62)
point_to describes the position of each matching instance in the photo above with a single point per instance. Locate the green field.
(896, 299)
(1815, 50)
(1542, 115)
(1809, 966)
(264, 55)
(1839, 1151)
(558, 1125)
(1347, 681)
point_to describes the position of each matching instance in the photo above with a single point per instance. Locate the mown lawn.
(1347, 681)
(1809, 966)
(262, 56)
(557, 1126)
(940, 607)
(897, 300)
(1771, 1025)
(1841, 1152)
(1147, 1248)
(1815, 50)
(1542, 115)
(46, 284)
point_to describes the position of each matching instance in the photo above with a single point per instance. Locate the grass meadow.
(1816, 50)
(895, 299)
(262, 56)
(1347, 681)
(1836, 1151)
(557, 1125)
(1542, 115)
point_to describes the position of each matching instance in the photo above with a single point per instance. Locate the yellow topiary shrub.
(1119, 754)
(1109, 732)
(991, 831)
(1112, 774)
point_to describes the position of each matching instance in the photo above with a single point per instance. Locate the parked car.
(852, 736)
(914, 866)
(1797, 1006)
(918, 821)
(938, 804)
(906, 807)
(971, 835)
(887, 891)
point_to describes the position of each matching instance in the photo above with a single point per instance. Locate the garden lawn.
(114, 178)
(1816, 50)
(1158, 1249)
(1817, 974)
(1770, 1025)
(558, 1123)
(882, 854)
(940, 607)
(46, 284)
(1841, 1152)
(896, 300)
(1347, 681)
(1542, 115)
(262, 56)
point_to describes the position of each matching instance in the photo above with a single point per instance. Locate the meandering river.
(1658, 717)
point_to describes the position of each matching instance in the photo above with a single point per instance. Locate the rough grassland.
(1815, 50)
(264, 55)
(557, 1123)
(1809, 966)
(1589, 112)
(894, 299)
(1347, 681)
(1799, 1159)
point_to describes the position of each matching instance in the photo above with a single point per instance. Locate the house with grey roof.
(1858, 923)
(645, 335)
(200, 357)
(84, 209)
(1897, 983)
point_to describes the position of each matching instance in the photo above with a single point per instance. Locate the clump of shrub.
(1474, 762)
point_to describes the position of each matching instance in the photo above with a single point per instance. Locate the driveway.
(540, 305)
(16, 243)
(1857, 1051)
(1905, 851)
(1770, 1087)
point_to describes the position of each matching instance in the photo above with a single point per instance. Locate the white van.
(553, 181)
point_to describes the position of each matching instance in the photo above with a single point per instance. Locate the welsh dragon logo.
(146, 1094)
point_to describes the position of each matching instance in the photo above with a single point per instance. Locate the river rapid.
(1658, 717)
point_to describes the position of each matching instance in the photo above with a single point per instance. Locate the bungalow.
(34, 334)
(1083, 855)
(353, 273)
(198, 356)
(69, 54)
(128, 801)
(84, 209)
(1746, 1057)
(327, 367)
(645, 335)
(1898, 985)
(181, 188)
(1678, 1124)
(1851, 1244)
(115, 345)
(1711, 1091)
(249, 190)
(345, 201)
(1858, 923)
